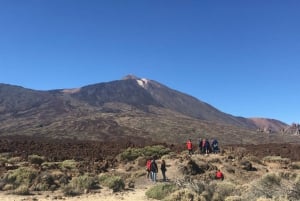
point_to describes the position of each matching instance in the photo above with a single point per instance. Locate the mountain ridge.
(122, 108)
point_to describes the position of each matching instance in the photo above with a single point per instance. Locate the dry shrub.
(270, 180)
(50, 165)
(36, 159)
(297, 183)
(160, 191)
(223, 190)
(184, 195)
(263, 199)
(233, 198)
(282, 198)
(113, 182)
(44, 182)
(276, 159)
(79, 185)
(295, 165)
(272, 186)
(22, 190)
(69, 164)
(254, 159)
(131, 154)
(20, 176)
(14, 160)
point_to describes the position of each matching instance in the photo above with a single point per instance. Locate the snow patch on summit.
(142, 82)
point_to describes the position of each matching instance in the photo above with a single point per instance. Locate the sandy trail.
(137, 194)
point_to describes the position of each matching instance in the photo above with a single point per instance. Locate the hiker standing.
(200, 145)
(189, 146)
(205, 146)
(163, 169)
(215, 146)
(148, 167)
(154, 170)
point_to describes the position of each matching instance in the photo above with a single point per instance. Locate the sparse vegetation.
(131, 154)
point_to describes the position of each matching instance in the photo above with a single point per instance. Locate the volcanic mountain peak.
(130, 77)
(143, 82)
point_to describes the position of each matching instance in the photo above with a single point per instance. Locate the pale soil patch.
(106, 195)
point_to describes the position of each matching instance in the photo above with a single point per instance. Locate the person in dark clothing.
(154, 170)
(215, 146)
(163, 170)
(200, 145)
(205, 146)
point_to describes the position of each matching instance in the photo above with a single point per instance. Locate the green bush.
(44, 182)
(21, 176)
(35, 159)
(184, 195)
(270, 180)
(79, 184)
(131, 154)
(22, 190)
(233, 198)
(297, 183)
(51, 165)
(276, 159)
(272, 186)
(115, 183)
(68, 164)
(160, 191)
(295, 165)
(223, 190)
(14, 160)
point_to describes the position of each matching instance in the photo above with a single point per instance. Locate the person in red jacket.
(148, 167)
(219, 175)
(189, 146)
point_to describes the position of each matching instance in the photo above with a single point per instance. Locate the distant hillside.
(131, 107)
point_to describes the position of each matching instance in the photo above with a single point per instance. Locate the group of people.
(205, 147)
(152, 170)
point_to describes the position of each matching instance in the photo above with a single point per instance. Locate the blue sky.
(242, 57)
